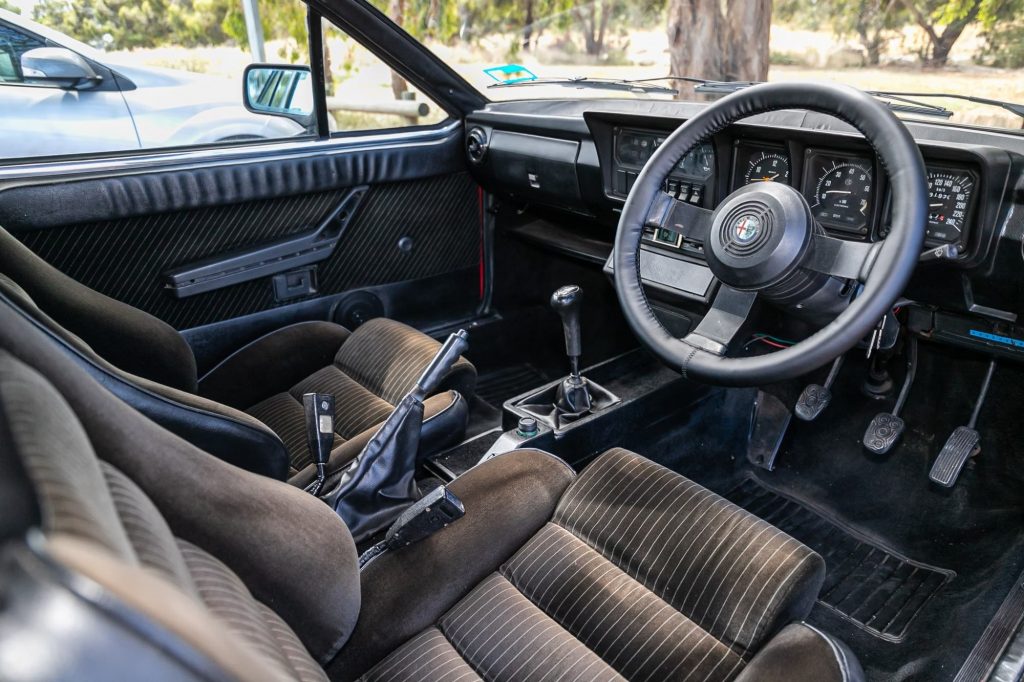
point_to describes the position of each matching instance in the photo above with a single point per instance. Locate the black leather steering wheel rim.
(892, 268)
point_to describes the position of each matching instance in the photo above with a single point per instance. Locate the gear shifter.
(573, 395)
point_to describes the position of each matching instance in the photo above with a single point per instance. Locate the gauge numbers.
(949, 200)
(767, 166)
(842, 192)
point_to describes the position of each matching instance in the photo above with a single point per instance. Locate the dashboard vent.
(476, 145)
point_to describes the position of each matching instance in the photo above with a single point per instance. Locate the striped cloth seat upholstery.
(641, 574)
(81, 497)
(371, 372)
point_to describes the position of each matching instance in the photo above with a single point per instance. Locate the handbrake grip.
(446, 357)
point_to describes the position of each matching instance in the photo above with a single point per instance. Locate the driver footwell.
(914, 573)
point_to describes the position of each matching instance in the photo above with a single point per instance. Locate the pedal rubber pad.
(812, 402)
(962, 444)
(883, 432)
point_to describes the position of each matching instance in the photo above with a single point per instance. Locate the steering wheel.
(763, 240)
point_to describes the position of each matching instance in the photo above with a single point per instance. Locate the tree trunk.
(694, 41)
(748, 24)
(528, 25)
(397, 12)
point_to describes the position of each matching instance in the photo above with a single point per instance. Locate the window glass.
(88, 76)
(363, 93)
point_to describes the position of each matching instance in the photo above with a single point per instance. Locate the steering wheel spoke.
(840, 257)
(679, 217)
(728, 312)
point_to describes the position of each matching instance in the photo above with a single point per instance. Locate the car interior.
(569, 389)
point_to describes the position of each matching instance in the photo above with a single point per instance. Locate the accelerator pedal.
(816, 397)
(963, 443)
(887, 428)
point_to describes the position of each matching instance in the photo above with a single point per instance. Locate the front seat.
(128, 552)
(259, 386)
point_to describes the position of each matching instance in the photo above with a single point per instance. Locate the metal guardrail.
(410, 110)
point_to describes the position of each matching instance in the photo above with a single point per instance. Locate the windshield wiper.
(897, 101)
(1012, 107)
(639, 85)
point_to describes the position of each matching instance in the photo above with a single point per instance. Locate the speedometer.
(950, 193)
(840, 190)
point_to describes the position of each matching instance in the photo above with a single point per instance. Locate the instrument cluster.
(843, 190)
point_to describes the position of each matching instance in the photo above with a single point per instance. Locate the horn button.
(759, 235)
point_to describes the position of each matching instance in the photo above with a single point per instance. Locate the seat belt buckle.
(319, 422)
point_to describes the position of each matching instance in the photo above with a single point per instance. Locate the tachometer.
(767, 166)
(950, 193)
(842, 189)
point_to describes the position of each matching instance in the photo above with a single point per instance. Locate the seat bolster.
(802, 653)
(406, 591)
(273, 363)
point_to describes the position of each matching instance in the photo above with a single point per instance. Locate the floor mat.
(499, 385)
(875, 588)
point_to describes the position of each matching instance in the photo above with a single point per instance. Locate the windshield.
(520, 49)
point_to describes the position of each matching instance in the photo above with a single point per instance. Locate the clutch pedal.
(887, 427)
(816, 397)
(963, 443)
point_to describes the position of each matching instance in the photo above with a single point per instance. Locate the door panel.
(436, 219)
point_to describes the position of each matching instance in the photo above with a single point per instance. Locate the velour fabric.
(640, 574)
(802, 653)
(175, 612)
(429, 654)
(388, 357)
(507, 500)
(272, 363)
(368, 376)
(263, 530)
(738, 577)
(128, 338)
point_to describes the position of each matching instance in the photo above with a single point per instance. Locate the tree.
(4, 4)
(706, 42)
(594, 18)
(943, 23)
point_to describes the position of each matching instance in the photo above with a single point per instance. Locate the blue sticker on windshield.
(510, 73)
(1005, 340)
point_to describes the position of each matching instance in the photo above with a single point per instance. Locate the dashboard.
(566, 169)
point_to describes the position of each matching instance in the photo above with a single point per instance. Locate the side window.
(363, 93)
(13, 44)
(118, 75)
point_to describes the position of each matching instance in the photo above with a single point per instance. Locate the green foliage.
(127, 24)
(4, 4)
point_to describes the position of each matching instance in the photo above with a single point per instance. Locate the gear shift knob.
(567, 302)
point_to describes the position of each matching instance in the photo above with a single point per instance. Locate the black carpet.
(873, 586)
(974, 533)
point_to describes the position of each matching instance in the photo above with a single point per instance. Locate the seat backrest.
(124, 336)
(218, 429)
(237, 569)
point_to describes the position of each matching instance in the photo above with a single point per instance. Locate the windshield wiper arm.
(1012, 107)
(639, 85)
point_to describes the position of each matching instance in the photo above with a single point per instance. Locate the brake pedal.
(887, 428)
(963, 443)
(816, 397)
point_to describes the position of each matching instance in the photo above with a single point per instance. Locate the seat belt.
(434, 511)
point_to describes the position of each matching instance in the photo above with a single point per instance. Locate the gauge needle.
(838, 191)
(938, 205)
(769, 178)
